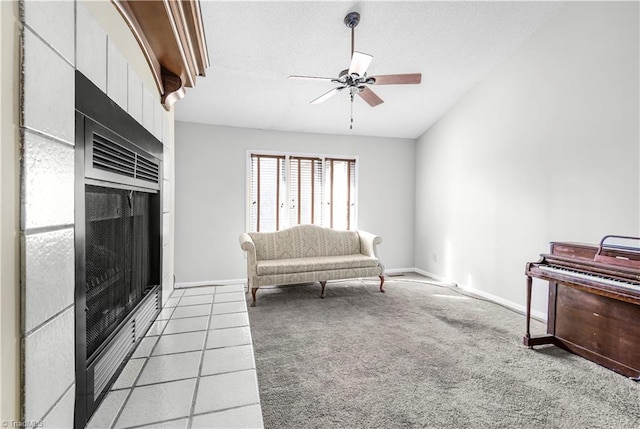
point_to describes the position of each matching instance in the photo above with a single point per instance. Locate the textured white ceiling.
(254, 46)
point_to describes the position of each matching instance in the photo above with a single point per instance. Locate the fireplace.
(118, 241)
(117, 258)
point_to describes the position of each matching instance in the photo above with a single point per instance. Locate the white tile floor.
(194, 368)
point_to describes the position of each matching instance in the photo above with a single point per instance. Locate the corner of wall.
(9, 214)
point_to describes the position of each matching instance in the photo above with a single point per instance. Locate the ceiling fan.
(355, 79)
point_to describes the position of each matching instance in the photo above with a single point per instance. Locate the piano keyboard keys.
(577, 274)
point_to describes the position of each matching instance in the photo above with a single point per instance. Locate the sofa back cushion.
(302, 241)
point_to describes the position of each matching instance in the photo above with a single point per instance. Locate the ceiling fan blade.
(360, 63)
(309, 77)
(398, 79)
(370, 97)
(327, 95)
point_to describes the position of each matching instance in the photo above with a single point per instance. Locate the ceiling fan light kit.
(355, 78)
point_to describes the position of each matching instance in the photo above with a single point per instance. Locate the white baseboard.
(434, 276)
(390, 271)
(506, 303)
(485, 295)
(183, 285)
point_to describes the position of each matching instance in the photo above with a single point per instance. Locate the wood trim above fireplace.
(171, 36)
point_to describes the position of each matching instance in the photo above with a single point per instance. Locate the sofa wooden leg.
(322, 291)
(381, 283)
(253, 295)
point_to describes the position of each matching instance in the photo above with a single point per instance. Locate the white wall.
(545, 149)
(211, 191)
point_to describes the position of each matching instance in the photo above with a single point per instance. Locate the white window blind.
(268, 193)
(288, 190)
(305, 183)
(340, 187)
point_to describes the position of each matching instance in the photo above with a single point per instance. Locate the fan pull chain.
(351, 124)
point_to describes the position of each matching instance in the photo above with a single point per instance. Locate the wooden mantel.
(171, 36)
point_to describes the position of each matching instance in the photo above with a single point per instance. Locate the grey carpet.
(420, 356)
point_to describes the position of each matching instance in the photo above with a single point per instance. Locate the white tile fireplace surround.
(57, 39)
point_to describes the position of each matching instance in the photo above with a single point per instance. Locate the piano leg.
(527, 335)
(528, 340)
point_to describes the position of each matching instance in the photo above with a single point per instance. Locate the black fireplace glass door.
(118, 260)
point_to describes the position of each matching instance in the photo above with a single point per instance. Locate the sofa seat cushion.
(318, 263)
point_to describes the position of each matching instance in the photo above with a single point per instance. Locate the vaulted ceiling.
(254, 46)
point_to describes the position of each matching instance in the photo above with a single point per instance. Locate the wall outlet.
(435, 257)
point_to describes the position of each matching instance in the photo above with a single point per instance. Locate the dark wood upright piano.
(594, 301)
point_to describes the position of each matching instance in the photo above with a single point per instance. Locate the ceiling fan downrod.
(351, 21)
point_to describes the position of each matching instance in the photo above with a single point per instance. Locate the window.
(305, 190)
(286, 190)
(268, 194)
(340, 188)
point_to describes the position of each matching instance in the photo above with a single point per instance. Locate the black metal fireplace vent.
(112, 157)
(134, 329)
(118, 241)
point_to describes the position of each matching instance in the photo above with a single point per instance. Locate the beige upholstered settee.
(309, 253)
